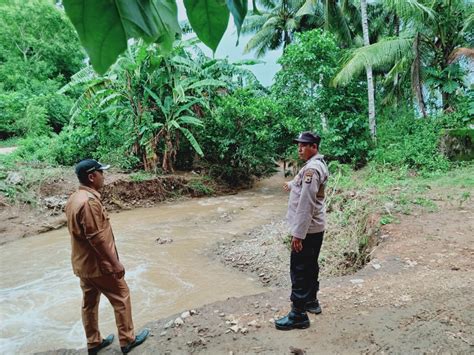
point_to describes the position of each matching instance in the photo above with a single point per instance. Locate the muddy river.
(40, 298)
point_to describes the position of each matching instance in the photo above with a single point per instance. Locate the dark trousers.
(304, 271)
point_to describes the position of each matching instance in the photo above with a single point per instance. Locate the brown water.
(40, 299)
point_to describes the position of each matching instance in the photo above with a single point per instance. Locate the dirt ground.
(414, 297)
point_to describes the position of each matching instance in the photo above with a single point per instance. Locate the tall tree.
(368, 69)
(431, 33)
(275, 23)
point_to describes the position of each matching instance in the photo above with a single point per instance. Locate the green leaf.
(190, 120)
(104, 26)
(192, 140)
(206, 82)
(149, 19)
(100, 30)
(209, 18)
(238, 9)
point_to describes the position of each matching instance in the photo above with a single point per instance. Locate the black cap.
(308, 137)
(88, 166)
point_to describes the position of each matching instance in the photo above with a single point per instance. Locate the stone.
(185, 314)
(14, 178)
(252, 323)
(376, 266)
(357, 281)
(169, 324)
(178, 322)
(244, 331)
(235, 328)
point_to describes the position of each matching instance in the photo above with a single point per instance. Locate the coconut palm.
(274, 24)
(432, 33)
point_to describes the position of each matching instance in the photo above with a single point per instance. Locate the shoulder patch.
(308, 175)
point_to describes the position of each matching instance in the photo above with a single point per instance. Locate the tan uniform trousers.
(118, 294)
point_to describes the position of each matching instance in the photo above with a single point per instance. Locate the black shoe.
(105, 342)
(313, 307)
(294, 320)
(140, 338)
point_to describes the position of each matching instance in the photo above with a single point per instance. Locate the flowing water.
(40, 298)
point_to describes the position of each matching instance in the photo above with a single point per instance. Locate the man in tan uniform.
(96, 262)
(307, 220)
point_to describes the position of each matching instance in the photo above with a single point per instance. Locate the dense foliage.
(179, 109)
(39, 51)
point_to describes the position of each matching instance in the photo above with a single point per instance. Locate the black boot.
(313, 307)
(296, 319)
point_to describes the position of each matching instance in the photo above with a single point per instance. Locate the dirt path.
(415, 296)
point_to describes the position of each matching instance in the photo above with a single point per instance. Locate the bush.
(405, 140)
(238, 140)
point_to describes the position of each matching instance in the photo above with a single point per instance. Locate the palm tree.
(273, 25)
(368, 69)
(431, 34)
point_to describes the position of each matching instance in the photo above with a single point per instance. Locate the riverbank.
(413, 297)
(418, 269)
(33, 198)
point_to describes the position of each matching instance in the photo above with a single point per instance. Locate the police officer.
(96, 262)
(306, 218)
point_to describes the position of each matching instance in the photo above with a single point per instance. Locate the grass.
(360, 203)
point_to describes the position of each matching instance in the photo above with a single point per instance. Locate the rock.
(55, 202)
(297, 351)
(357, 281)
(244, 331)
(235, 328)
(271, 320)
(411, 263)
(169, 324)
(163, 333)
(185, 315)
(376, 266)
(160, 240)
(252, 323)
(193, 312)
(178, 322)
(221, 314)
(14, 178)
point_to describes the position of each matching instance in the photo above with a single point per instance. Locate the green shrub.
(405, 140)
(238, 139)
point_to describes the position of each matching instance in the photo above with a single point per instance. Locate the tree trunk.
(415, 76)
(368, 69)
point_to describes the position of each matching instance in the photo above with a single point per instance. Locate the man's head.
(91, 173)
(308, 145)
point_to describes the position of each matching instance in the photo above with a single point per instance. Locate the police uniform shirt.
(306, 208)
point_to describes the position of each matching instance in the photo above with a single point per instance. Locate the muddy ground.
(414, 297)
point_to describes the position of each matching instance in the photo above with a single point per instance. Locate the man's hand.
(286, 186)
(119, 271)
(296, 245)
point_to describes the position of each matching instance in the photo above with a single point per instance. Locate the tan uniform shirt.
(89, 225)
(306, 208)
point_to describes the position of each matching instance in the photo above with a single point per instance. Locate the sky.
(227, 49)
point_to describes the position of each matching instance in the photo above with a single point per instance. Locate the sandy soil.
(415, 296)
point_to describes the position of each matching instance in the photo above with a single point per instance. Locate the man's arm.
(95, 224)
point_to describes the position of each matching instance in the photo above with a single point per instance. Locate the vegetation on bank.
(155, 111)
